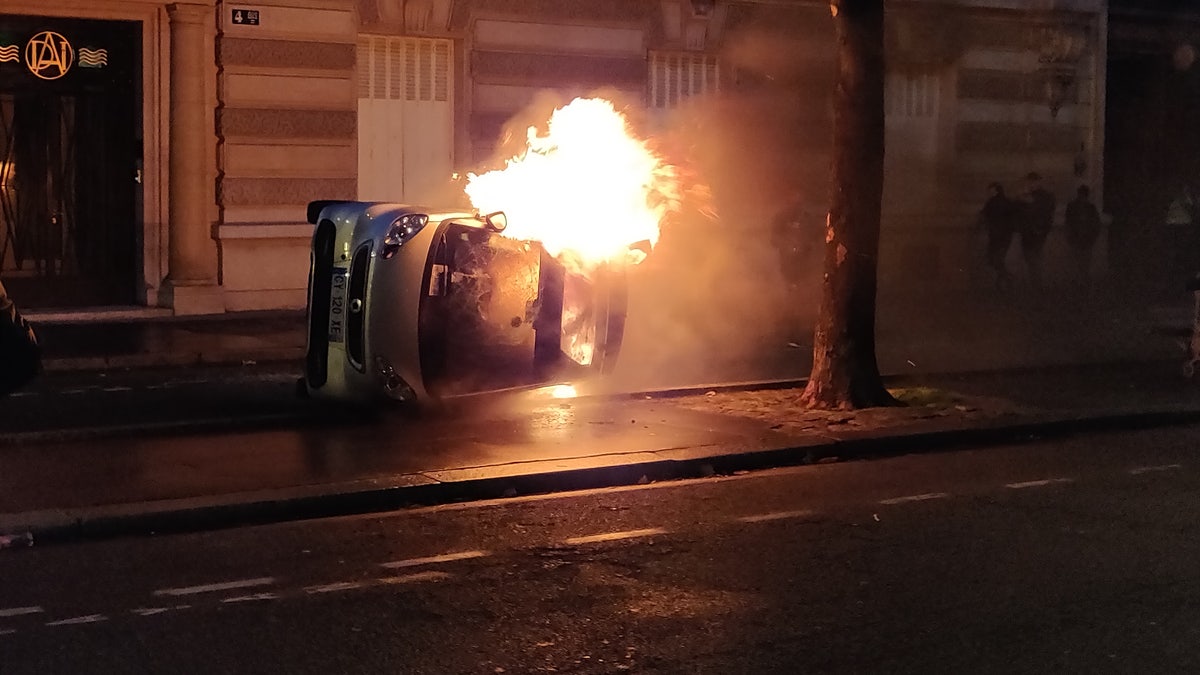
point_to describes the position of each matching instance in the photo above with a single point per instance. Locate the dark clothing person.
(1036, 220)
(1082, 222)
(796, 234)
(1180, 240)
(20, 355)
(997, 220)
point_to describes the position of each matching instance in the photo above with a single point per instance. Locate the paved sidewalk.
(198, 425)
(162, 481)
(112, 340)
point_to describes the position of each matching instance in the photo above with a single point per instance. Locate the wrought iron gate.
(68, 156)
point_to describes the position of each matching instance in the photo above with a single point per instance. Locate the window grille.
(677, 76)
(403, 68)
(912, 96)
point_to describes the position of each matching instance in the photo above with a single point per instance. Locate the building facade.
(161, 153)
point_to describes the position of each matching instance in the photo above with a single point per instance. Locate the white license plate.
(337, 305)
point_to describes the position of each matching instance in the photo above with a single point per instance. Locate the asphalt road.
(1073, 556)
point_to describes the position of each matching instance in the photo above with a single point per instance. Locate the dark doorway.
(70, 132)
(1152, 147)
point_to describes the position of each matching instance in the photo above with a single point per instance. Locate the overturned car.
(418, 305)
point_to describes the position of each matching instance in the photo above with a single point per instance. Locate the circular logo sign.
(48, 55)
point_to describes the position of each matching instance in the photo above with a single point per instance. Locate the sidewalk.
(147, 338)
(248, 451)
(159, 481)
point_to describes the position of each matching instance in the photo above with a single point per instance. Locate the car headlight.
(400, 231)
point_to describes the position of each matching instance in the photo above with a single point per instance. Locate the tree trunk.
(845, 374)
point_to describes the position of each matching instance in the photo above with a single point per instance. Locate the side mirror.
(496, 222)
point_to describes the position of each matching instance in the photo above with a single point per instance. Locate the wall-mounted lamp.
(1183, 57)
(703, 8)
(1059, 50)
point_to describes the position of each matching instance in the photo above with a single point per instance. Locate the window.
(911, 96)
(403, 68)
(677, 76)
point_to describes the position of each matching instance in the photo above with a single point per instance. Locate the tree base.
(829, 397)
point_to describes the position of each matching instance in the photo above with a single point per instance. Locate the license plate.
(337, 305)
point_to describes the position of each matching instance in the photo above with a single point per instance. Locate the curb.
(407, 490)
(174, 428)
(174, 359)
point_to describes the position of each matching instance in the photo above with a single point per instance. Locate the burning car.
(414, 304)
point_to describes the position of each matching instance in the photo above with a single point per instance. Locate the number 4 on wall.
(245, 17)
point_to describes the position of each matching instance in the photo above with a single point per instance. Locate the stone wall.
(286, 135)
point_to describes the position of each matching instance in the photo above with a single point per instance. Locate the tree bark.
(845, 373)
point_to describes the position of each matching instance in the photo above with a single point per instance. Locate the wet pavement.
(94, 449)
(158, 479)
(101, 343)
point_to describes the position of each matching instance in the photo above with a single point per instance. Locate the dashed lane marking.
(151, 611)
(914, 498)
(254, 597)
(211, 588)
(614, 536)
(75, 621)
(415, 577)
(20, 611)
(434, 559)
(332, 588)
(1039, 483)
(112, 389)
(1148, 469)
(7, 631)
(774, 515)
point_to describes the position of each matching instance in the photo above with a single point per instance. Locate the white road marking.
(774, 515)
(1039, 483)
(914, 498)
(7, 631)
(434, 559)
(251, 598)
(1148, 469)
(150, 611)
(118, 389)
(75, 621)
(330, 588)
(222, 586)
(614, 536)
(417, 576)
(73, 391)
(20, 611)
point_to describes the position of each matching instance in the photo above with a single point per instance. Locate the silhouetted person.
(795, 233)
(1037, 216)
(997, 217)
(1082, 222)
(1180, 239)
(20, 355)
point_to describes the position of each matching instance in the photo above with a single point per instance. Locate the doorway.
(405, 120)
(69, 157)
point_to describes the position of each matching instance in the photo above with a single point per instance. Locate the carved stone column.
(191, 283)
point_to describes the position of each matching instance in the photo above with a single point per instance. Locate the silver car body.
(374, 308)
(358, 364)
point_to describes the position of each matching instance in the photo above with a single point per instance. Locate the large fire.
(588, 190)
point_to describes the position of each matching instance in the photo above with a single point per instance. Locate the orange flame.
(588, 190)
